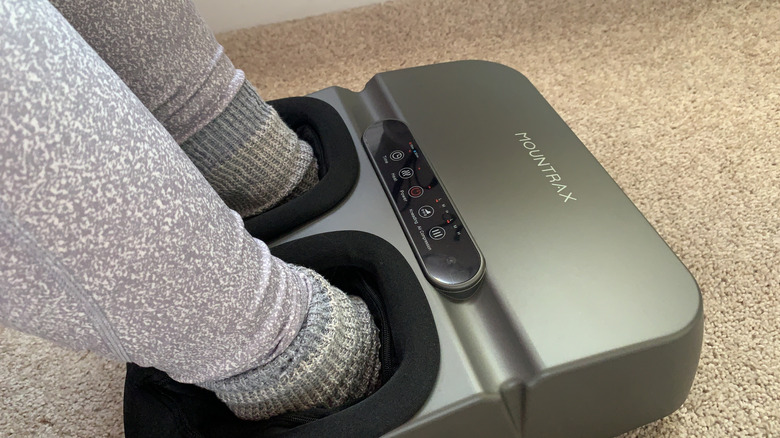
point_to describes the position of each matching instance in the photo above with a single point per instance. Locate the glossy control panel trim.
(444, 248)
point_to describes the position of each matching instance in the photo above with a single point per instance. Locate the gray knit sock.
(334, 359)
(250, 157)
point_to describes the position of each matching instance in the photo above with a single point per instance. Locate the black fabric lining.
(322, 127)
(157, 406)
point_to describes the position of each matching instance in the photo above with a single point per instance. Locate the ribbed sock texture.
(334, 359)
(250, 157)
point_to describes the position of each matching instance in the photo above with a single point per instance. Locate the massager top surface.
(576, 262)
(574, 274)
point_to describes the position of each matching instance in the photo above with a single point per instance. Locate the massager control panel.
(442, 244)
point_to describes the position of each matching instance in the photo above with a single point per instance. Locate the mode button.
(437, 233)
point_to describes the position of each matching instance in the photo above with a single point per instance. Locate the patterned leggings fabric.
(110, 238)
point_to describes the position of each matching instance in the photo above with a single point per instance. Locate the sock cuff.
(221, 138)
(333, 359)
(251, 157)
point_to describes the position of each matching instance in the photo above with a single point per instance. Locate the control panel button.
(437, 233)
(416, 192)
(425, 211)
(397, 155)
(406, 172)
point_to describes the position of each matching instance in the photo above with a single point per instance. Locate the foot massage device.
(517, 290)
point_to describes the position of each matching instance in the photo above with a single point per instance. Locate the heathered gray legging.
(110, 239)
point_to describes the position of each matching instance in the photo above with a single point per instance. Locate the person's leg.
(169, 58)
(112, 241)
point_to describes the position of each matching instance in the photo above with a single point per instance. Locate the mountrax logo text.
(547, 169)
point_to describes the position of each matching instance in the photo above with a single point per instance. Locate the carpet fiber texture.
(680, 102)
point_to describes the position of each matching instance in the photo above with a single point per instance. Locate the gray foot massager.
(524, 295)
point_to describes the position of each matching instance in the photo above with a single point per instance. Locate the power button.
(416, 192)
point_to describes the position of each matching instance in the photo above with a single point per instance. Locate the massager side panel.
(586, 323)
(607, 396)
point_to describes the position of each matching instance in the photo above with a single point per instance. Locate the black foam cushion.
(322, 127)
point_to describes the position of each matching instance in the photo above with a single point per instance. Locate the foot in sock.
(250, 157)
(333, 360)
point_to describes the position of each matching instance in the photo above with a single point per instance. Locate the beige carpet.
(680, 101)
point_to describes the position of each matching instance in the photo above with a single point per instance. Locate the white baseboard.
(224, 15)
